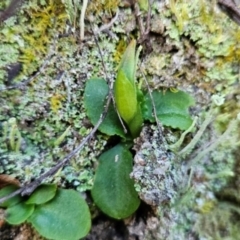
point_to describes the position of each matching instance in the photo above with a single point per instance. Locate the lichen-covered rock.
(157, 173)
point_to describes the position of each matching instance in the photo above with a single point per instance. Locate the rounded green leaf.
(65, 217)
(19, 213)
(6, 191)
(171, 108)
(113, 190)
(95, 94)
(174, 120)
(42, 194)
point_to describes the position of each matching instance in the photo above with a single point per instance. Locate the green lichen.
(30, 33)
(195, 47)
(52, 102)
(183, 185)
(199, 48)
(41, 39)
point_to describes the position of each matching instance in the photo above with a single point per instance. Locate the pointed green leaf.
(42, 194)
(66, 217)
(125, 91)
(125, 96)
(113, 189)
(94, 101)
(128, 62)
(19, 213)
(6, 191)
(171, 108)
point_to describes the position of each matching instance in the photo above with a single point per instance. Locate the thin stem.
(175, 146)
(105, 27)
(218, 141)
(109, 81)
(29, 188)
(222, 138)
(185, 151)
(10, 10)
(30, 79)
(159, 125)
(83, 11)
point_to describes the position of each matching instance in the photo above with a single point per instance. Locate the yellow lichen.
(56, 102)
(101, 6)
(121, 46)
(39, 32)
(207, 206)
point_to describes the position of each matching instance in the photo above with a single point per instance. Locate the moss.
(199, 47)
(52, 102)
(39, 37)
(194, 47)
(220, 223)
(31, 32)
(183, 185)
(100, 7)
(120, 48)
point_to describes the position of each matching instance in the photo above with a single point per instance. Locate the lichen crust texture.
(192, 46)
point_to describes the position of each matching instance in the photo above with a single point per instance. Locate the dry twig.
(10, 10)
(231, 9)
(159, 125)
(144, 30)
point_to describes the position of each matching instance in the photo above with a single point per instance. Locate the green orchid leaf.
(42, 194)
(19, 213)
(125, 91)
(176, 121)
(6, 191)
(66, 217)
(125, 96)
(171, 108)
(95, 94)
(113, 190)
(135, 125)
(129, 61)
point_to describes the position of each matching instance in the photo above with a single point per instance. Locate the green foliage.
(65, 217)
(128, 63)
(6, 191)
(19, 213)
(125, 91)
(125, 97)
(42, 194)
(171, 108)
(113, 190)
(136, 123)
(50, 210)
(95, 94)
